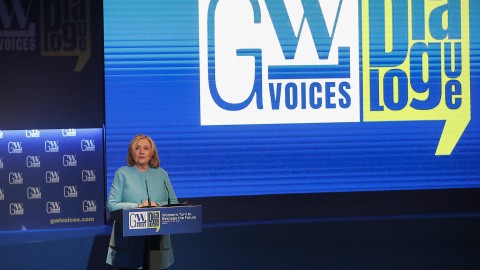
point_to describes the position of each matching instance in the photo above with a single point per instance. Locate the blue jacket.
(129, 190)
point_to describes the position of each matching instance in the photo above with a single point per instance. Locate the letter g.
(256, 53)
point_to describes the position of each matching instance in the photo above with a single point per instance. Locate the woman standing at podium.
(129, 190)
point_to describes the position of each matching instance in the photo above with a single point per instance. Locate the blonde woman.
(129, 191)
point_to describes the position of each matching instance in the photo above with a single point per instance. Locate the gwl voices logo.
(268, 62)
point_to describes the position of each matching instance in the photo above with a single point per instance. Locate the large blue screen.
(273, 97)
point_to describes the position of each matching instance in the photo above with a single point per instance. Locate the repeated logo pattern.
(50, 173)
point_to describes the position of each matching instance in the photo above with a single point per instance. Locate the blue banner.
(51, 179)
(162, 220)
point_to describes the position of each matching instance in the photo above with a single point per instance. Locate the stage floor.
(387, 242)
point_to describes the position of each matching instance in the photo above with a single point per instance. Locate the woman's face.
(142, 152)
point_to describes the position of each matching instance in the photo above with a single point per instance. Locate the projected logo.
(65, 30)
(416, 64)
(1, 162)
(17, 30)
(267, 62)
(144, 220)
(2, 194)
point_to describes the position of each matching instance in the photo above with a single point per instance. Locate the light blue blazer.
(129, 190)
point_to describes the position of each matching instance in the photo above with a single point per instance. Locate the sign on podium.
(159, 220)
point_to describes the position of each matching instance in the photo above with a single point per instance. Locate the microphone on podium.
(148, 196)
(168, 194)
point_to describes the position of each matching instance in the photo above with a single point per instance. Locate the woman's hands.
(145, 204)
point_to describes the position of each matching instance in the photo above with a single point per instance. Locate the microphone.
(168, 193)
(148, 196)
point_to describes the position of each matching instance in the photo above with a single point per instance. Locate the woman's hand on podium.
(145, 204)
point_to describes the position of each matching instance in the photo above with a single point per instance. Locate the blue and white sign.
(274, 62)
(161, 220)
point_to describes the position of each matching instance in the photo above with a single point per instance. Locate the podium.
(155, 222)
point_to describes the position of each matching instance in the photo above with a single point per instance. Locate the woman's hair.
(154, 162)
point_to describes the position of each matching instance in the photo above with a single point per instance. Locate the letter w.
(140, 217)
(314, 15)
(17, 145)
(18, 10)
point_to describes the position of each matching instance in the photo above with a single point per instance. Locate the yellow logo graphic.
(65, 30)
(416, 64)
(154, 220)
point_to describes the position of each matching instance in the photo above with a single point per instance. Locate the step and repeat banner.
(51, 179)
(298, 96)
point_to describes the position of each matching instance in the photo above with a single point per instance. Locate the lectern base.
(152, 253)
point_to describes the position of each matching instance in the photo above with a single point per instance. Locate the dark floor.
(416, 243)
(408, 242)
